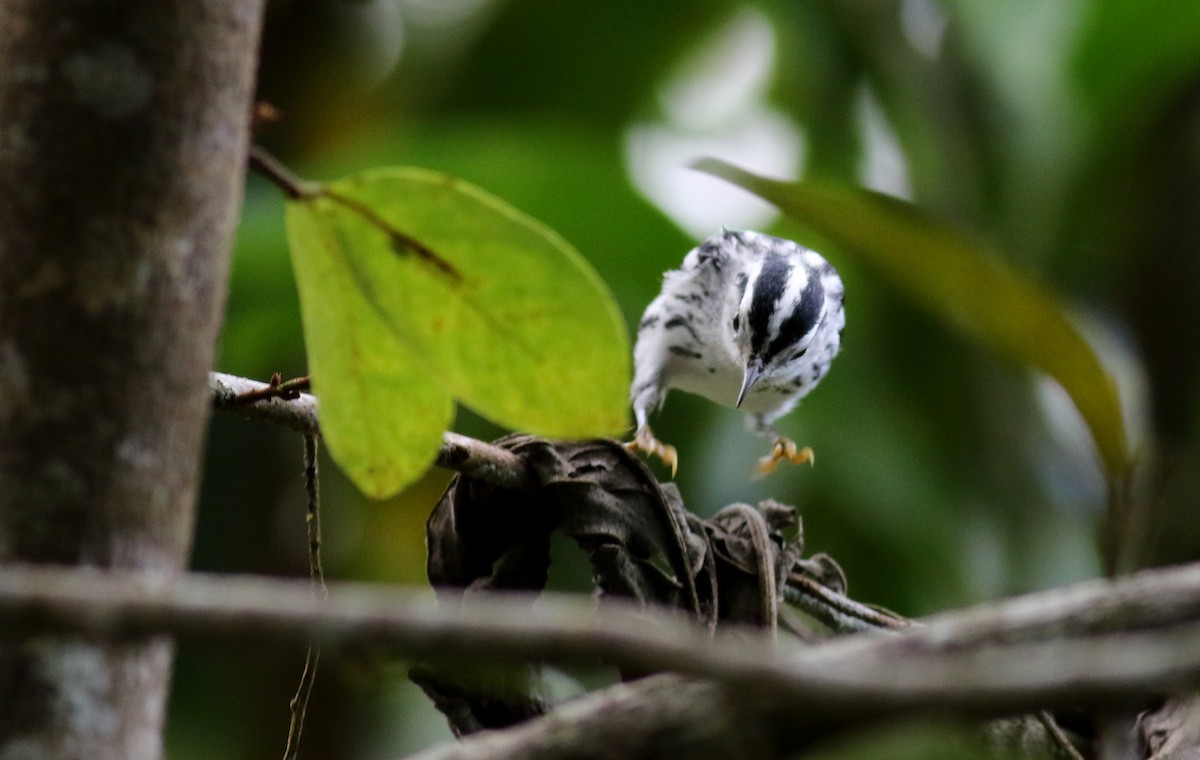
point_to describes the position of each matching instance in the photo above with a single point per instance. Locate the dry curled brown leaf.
(642, 542)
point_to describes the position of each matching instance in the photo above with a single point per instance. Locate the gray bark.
(123, 135)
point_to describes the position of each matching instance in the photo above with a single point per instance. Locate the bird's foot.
(645, 442)
(784, 448)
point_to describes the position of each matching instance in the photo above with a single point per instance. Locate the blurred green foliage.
(1064, 132)
(973, 290)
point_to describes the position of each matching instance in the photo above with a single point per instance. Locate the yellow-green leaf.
(418, 289)
(382, 415)
(961, 280)
(501, 311)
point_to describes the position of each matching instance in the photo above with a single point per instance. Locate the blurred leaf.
(961, 280)
(381, 415)
(472, 299)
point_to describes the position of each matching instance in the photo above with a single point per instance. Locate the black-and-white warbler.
(750, 321)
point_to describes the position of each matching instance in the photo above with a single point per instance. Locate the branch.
(1155, 598)
(695, 719)
(472, 458)
(316, 575)
(273, 170)
(677, 716)
(282, 404)
(976, 662)
(296, 188)
(841, 613)
(984, 661)
(229, 391)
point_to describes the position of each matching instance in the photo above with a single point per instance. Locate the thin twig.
(299, 414)
(837, 611)
(312, 516)
(295, 188)
(298, 705)
(312, 520)
(273, 169)
(472, 458)
(288, 390)
(1056, 733)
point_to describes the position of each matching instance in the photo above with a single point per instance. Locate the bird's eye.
(736, 321)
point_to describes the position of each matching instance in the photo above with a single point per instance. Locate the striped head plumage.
(749, 321)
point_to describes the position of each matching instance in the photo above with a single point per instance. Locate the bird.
(749, 321)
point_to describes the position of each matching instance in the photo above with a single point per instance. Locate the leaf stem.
(296, 189)
(273, 170)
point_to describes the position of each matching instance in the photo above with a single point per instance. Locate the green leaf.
(381, 415)
(961, 280)
(499, 309)
(467, 298)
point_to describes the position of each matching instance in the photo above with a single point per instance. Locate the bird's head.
(775, 311)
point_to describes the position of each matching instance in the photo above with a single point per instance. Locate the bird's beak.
(754, 370)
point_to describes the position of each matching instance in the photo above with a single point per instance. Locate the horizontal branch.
(696, 719)
(299, 414)
(279, 404)
(1141, 638)
(472, 458)
(680, 716)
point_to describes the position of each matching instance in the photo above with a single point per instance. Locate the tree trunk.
(123, 131)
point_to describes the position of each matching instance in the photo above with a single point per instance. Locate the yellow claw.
(784, 448)
(645, 442)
